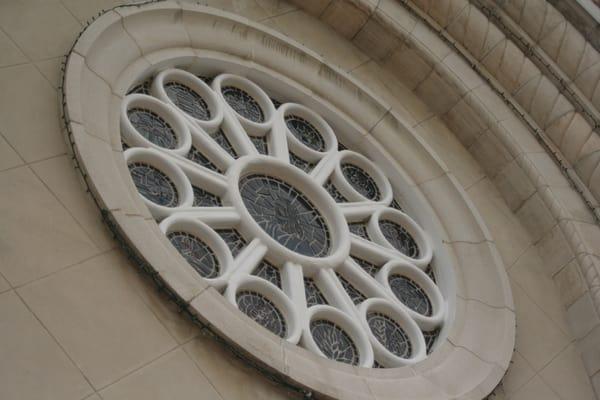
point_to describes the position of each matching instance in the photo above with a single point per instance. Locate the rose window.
(300, 233)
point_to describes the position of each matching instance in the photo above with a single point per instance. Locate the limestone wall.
(71, 302)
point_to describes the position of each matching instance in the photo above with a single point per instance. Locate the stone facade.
(81, 323)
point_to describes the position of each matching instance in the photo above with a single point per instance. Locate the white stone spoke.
(324, 168)
(238, 136)
(215, 217)
(333, 290)
(354, 271)
(358, 211)
(363, 246)
(278, 144)
(292, 282)
(247, 260)
(211, 149)
(204, 177)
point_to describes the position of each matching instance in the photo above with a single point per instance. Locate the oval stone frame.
(131, 42)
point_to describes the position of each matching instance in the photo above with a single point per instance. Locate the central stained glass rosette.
(286, 214)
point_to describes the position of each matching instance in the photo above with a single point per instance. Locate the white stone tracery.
(236, 271)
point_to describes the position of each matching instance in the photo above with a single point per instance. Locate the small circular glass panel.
(153, 184)
(286, 214)
(334, 342)
(410, 294)
(399, 237)
(187, 100)
(361, 181)
(305, 132)
(262, 310)
(389, 334)
(243, 103)
(197, 253)
(153, 127)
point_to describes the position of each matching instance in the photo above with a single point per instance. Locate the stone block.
(570, 283)
(159, 26)
(231, 377)
(348, 17)
(33, 364)
(174, 375)
(582, 316)
(536, 217)
(29, 114)
(491, 153)
(567, 376)
(317, 372)
(42, 31)
(514, 185)
(214, 309)
(456, 212)
(440, 91)
(403, 144)
(377, 38)
(571, 51)
(108, 48)
(538, 338)
(39, 236)
(408, 64)
(68, 304)
(484, 325)
(482, 275)
(576, 135)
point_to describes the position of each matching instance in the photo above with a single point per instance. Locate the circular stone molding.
(246, 178)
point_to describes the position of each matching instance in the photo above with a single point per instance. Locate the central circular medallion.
(286, 214)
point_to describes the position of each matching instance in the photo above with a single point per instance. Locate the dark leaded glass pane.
(201, 159)
(221, 139)
(261, 144)
(285, 214)
(334, 342)
(276, 103)
(124, 145)
(430, 273)
(396, 205)
(314, 296)
(262, 310)
(411, 294)
(207, 79)
(187, 100)
(243, 103)
(234, 240)
(269, 272)
(202, 198)
(370, 268)
(361, 181)
(399, 238)
(341, 146)
(142, 88)
(305, 132)
(153, 127)
(359, 229)
(355, 294)
(300, 163)
(389, 334)
(196, 252)
(430, 338)
(153, 184)
(377, 365)
(333, 192)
